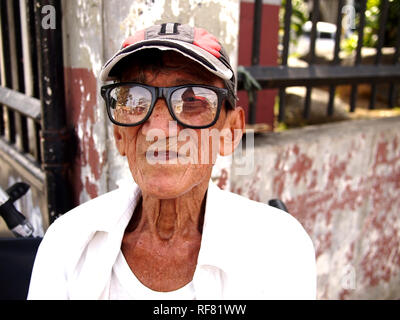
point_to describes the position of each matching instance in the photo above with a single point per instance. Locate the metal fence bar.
(17, 67)
(286, 36)
(332, 75)
(10, 126)
(255, 54)
(26, 166)
(1, 121)
(55, 136)
(285, 55)
(322, 75)
(392, 87)
(23, 104)
(384, 8)
(36, 147)
(353, 95)
(21, 126)
(12, 44)
(9, 117)
(28, 74)
(33, 73)
(26, 51)
(313, 37)
(31, 67)
(18, 83)
(335, 61)
(30, 8)
(2, 73)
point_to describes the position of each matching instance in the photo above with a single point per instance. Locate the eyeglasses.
(193, 106)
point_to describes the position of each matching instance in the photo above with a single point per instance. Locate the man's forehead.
(174, 59)
(168, 62)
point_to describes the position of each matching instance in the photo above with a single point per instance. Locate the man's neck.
(162, 241)
(167, 219)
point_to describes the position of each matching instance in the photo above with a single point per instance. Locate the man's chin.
(163, 190)
(164, 183)
(170, 181)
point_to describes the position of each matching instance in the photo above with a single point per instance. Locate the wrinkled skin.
(162, 241)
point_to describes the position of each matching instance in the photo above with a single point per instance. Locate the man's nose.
(159, 119)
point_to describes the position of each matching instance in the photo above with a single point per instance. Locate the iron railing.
(33, 135)
(332, 75)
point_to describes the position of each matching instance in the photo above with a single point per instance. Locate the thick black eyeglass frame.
(161, 92)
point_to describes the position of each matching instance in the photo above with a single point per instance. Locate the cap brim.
(193, 52)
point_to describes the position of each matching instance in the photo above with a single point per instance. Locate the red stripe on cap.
(207, 41)
(138, 36)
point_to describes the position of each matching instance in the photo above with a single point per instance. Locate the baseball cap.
(195, 43)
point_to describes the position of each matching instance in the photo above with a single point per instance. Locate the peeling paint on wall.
(88, 174)
(83, 48)
(342, 182)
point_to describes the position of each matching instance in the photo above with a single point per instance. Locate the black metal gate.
(332, 75)
(33, 134)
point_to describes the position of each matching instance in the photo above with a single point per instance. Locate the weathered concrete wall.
(342, 182)
(83, 55)
(93, 31)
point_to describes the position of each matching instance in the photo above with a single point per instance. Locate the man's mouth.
(157, 155)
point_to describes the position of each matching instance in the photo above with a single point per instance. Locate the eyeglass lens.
(129, 104)
(195, 106)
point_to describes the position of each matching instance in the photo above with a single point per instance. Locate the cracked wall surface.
(342, 182)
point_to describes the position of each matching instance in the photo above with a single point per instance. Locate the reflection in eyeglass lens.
(195, 105)
(132, 103)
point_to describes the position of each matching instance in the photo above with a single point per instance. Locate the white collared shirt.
(125, 286)
(248, 250)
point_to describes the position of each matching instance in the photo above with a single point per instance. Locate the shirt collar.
(121, 205)
(214, 246)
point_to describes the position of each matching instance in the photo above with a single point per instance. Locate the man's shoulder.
(242, 208)
(97, 214)
(266, 247)
(94, 209)
(260, 221)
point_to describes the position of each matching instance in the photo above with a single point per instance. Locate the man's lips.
(162, 155)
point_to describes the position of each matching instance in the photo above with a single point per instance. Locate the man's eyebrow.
(139, 77)
(136, 80)
(197, 80)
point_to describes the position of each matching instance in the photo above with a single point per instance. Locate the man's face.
(188, 153)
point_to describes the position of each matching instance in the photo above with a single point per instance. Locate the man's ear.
(119, 138)
(232, 132)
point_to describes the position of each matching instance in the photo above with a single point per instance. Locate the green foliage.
(299, 17)
(250, 84)
(371, 29)
(372, 15)
(350, 44)
(371, 23)
(393, 22)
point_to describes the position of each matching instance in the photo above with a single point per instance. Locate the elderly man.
(172, 233)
